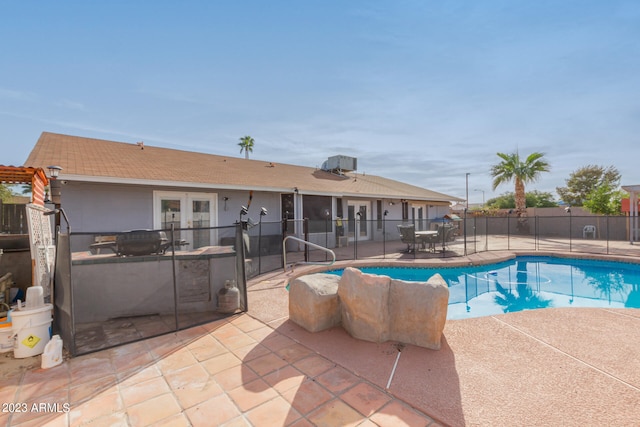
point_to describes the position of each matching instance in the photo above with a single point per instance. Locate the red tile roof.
(88, 159)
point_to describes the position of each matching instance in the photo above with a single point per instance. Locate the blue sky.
(419, 91)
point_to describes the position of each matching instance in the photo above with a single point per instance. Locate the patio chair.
(589, 231)
(446, 234)
(450, 235)
(408, 236)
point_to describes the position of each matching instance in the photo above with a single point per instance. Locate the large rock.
(418, 311)
(364, 299)
(313, 301)
(371, 307)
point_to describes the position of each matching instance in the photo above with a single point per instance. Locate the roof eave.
(213, 186)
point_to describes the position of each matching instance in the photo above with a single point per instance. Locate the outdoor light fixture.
(385, 213)
(263, 211)
(54, 171)
(243, 211)
(54, 188)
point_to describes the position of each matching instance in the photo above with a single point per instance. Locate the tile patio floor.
(569, 367)
(234, 372)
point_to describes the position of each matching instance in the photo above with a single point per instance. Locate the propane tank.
(229, 297)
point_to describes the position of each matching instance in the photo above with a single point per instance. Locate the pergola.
(26, 175)
(633, 191)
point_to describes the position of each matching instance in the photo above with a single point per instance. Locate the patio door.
(192, 215)
(358, 225)
(418, 216)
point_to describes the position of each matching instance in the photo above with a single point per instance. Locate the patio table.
(426, 236)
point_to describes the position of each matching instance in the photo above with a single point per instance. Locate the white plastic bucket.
(31, 330)
(6, 343)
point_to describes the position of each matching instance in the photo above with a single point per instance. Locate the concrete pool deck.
(569, 367)
(564, 366)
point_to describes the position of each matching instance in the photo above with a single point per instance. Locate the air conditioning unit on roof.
(342, 163)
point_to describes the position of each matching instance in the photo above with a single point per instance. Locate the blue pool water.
(527, 283)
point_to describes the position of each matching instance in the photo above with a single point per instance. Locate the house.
(114, 186)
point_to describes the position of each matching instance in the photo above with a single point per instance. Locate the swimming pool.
(527, 283)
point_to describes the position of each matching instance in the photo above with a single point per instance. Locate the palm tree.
(512, 168)
(246, 144)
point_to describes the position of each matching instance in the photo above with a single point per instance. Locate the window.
(318, 210)
(288, 210)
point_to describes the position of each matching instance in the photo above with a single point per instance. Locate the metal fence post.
(305, 230)
(173, 267)
(535, 232)
(241, 264)
(607, 234)
(384, 234)
(508, 231)
(465, 231)
(570, 216)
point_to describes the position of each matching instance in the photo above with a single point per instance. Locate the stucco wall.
(107, 208)
(95, 207)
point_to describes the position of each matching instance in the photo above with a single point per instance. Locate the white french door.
(419, 216)
(191, 214)
(358, 225)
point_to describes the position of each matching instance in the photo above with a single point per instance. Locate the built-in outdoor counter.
(16, 259)
(107, 286)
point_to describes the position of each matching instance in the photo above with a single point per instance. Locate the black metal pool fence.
(384, 238)
(113, 288)
(109, 292)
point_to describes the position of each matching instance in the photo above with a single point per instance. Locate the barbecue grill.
(142, 242)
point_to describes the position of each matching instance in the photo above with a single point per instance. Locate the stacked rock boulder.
(372, 307)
